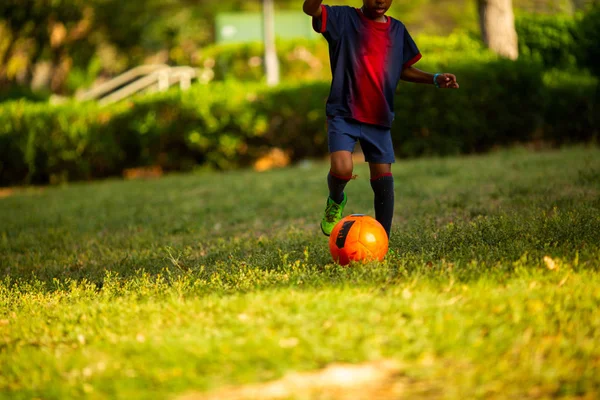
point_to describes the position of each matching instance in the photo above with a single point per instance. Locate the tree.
(40, 30)
(497, 23)
(271, 62)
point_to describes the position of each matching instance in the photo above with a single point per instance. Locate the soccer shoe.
(333, 215)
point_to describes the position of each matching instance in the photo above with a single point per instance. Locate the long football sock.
(383, 190)
(336, 186)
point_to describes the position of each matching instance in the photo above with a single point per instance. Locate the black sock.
(336, 187)
(383, 189)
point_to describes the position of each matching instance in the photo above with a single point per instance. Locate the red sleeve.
(410, 51)
(320, 24)
(412, 61)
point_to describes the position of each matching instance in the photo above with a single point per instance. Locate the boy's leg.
(339, 174)
(342, 139)
(382, 183)
(376, 143)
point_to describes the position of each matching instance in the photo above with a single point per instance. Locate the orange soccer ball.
(358, 237)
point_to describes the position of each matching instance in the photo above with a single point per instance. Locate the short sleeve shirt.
(367, 59)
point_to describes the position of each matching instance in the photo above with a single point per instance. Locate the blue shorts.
(375, 141)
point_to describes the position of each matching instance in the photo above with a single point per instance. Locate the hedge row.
(227, 125)
(560, 41)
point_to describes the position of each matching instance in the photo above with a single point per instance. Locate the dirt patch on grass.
(152, 172)
(6, 192)
(19, 190)
(367, 381)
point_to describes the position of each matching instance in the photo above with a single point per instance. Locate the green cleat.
(333, 215)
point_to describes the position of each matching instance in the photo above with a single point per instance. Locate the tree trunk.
(497, 23)
(271, 61)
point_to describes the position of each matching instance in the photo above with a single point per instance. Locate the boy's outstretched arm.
(312, 7)
(412, 74)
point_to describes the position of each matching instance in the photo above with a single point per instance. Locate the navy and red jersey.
(367, 58)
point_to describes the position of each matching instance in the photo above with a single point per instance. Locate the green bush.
(15, 92)
(561, 41)
(226, 125)
(572, 109)
(587, 37)
(299, 59)
(498, 103)
(549, 39)
(40, 143)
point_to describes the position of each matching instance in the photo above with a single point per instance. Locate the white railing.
(145, 78)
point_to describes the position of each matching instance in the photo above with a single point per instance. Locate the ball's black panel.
(340, 240)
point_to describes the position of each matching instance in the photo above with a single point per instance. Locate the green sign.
(248, 27)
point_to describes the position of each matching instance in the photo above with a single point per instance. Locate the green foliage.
(300, 59)
(94, 38)
(498, 104)
(305, 59)
(53, 144)
(16, 92)
(194, 282)
(553, 41)
(84, 77)
(561, 41)
(228, 124)
(549, 39)
(587, 35)
(572, 106)
(33, 31)
(454, 46)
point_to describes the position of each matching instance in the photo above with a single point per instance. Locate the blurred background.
(192, 89)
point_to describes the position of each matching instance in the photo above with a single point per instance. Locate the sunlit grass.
(149, 289)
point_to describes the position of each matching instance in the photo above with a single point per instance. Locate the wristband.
(435, 82)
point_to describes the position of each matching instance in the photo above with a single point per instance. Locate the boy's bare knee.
(379, 169)
(341, 163)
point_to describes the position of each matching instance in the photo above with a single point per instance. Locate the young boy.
(369, 53)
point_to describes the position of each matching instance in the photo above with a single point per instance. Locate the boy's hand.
(312, 8)
(447, 81)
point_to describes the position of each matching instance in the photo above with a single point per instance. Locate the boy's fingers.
(449, 82)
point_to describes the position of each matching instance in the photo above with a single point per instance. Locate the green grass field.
(193, 283)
